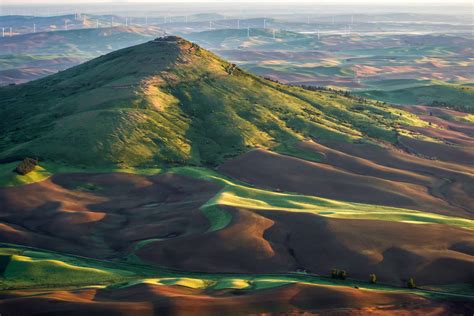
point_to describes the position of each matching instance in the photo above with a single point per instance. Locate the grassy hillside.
(171, 102)
(455, 96)
(24, 267)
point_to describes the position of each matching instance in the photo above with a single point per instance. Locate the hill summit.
(168, 101)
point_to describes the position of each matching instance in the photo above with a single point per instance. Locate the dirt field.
(163, 210)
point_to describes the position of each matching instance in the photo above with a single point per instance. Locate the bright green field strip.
(238, 195)
(44, 170)
(9, 178)
(218, 218)
(250, 198)
(250, 282)
(23, 267)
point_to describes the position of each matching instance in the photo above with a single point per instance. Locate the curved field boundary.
(76, 272)
(242, 196)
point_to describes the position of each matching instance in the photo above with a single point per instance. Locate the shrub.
(26, 166)
(338, 274)
(411, 283)
(373, 278)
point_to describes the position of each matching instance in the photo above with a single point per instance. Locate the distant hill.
(82, 40)
(455, 96)
(31, 56)
(168, 101)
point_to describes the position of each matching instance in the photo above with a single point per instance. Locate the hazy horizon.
(325, 2)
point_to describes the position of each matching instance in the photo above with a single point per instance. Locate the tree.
(342, 274)
(334, 273)
(26, 166)
(411, 283)
(373, 278)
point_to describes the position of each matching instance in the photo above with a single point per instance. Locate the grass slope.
(24, 267)
(457, 96)
(28, 268)
(171, 102)
(8, 177)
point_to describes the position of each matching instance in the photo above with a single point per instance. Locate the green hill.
(455, 96)
(170, 102)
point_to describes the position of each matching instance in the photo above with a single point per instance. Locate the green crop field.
(455, 96)
(25, 268)
(241, 196)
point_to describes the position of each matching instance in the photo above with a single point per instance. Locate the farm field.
(312, 173)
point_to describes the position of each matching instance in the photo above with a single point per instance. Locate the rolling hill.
(169, 101)
(455, 96)
(359, 61)
(31, 56)
(171, 176)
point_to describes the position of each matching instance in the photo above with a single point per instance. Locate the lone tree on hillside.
(26, 166)
(342, 274)
(373, 278)
(338, 274)
(411, 283)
